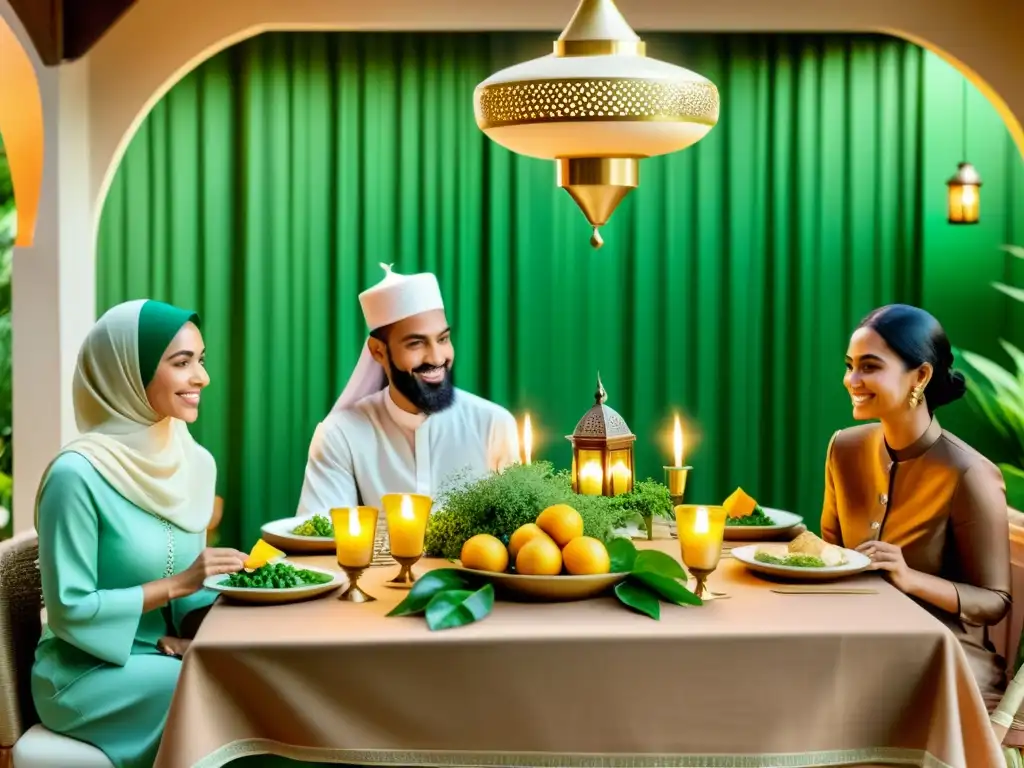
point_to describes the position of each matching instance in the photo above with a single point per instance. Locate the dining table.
(758, 677)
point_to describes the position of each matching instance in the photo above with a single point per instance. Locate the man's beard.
(427, 398)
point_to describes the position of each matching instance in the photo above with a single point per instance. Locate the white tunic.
(374, 447)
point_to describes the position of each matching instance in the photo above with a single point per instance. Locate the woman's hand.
(212, 561)
(889, 558)
(173, 646)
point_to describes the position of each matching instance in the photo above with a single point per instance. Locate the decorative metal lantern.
(602, 451)
(964, 204)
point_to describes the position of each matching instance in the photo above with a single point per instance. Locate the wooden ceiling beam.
(65, 30)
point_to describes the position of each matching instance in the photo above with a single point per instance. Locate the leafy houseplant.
(999, 395)
(450, 597)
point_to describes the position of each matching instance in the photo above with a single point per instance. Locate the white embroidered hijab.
(153, 462)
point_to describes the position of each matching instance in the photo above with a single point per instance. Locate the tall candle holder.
(675, 479)
(354, 533)
(701, 530)
(407, 515)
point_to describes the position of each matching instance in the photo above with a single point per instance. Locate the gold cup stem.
(701, 575)
(405, 575)
(353, 593)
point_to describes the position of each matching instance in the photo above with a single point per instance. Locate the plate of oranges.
(549, 559)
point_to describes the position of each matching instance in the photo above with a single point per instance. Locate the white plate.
(784, 521)
(267, 596)
(855, 563)
(278, 533)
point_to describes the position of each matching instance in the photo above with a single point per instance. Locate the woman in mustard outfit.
(122, 515)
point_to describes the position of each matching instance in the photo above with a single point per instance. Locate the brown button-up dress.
(944, 505)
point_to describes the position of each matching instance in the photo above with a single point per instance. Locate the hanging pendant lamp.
(963, 205)
(596, 106)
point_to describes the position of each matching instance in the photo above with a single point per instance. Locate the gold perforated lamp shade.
(596, 105)
(602, 451)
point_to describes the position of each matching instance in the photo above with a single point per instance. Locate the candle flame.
(677, 442)
(407, 507)
(527, 439)
(591, 470)
(701, 524)
(354, 528)
(619, 468)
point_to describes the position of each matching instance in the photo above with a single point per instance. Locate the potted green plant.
(998, 394)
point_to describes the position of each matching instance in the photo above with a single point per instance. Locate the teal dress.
(98, 676)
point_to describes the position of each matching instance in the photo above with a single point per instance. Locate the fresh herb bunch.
(499, 503)
(276, 576)
(796, 560)
(757, 517)
(649, 498)
(317, 525)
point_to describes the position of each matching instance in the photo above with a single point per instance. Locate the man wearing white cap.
(401, 426)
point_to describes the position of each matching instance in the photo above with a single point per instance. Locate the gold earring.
(916, 396)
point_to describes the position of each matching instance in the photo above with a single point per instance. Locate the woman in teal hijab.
(121, 515)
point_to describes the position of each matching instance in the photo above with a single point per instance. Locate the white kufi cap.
(394, 298)
(397, 297)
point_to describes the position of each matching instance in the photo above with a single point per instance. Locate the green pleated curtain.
(267, 186)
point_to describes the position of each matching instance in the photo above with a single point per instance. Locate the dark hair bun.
(945, 388)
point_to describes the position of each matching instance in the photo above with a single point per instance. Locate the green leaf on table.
(426, 586)
(622, 553)
(667, 588)
(658, 562)
(639, 598)
(458, 607)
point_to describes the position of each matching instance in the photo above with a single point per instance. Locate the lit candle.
(677, 443)
(700, 531)
(407, 516)
(677, 473)
(620, 478)
(527, 440)
(354, 529)
(591, 479)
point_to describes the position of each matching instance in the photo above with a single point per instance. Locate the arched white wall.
(92, 108)
(53, 290)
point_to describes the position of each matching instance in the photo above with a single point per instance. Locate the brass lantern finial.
(600, 395)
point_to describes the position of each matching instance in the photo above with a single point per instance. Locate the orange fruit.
(261, 554)
(586, 555)
(523, 535)
(561, 522)
(484, 552)
(539, 557)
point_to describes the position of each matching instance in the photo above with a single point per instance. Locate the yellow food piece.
(586, 555)
(261, 554)
(484, 552)
(540, 557)
(561, 522)
(739, 504)
(523, 535)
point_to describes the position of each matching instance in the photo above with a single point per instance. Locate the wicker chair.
(24, 742)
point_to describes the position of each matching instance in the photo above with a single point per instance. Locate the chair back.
(21, 602)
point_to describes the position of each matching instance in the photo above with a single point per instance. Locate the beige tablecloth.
(760, 679)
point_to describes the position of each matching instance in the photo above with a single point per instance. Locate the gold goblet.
(354, 531)
(701, 530)
(407, 515)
